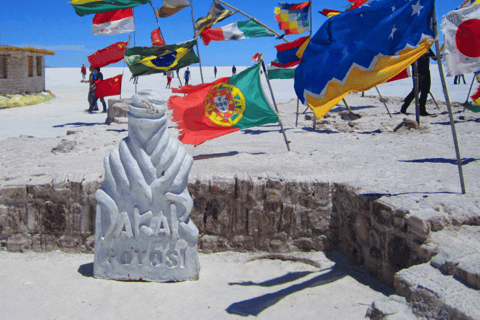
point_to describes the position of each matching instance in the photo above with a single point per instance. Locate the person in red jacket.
(83, 71)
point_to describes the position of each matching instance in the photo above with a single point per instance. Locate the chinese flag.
(109, 87)
(111, 54)
(157, 38)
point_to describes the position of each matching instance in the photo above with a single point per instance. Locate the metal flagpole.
(249, 16)
(195, 37)
(158, 24)
(415, 89)
(383, 100)
(434, 100)
(178, 76)
(346, 105)
(447, 100)
(311, 30)
(470, 90)
(135, 79)
(275, 104)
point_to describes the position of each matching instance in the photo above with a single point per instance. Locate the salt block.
(142, 225)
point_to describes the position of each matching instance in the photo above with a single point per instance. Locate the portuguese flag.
(227, 105)
(148, 60)
(84, 7)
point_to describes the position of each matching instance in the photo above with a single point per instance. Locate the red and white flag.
(113, 22)
(462, 35)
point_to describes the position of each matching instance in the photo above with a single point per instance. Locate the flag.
(293, 18)
(461, 29)
(280, 73)
(356, 4)
(113, 22)
(257, 57)
(330, 13)
(221, 107)
(111, 54)
(84, 7)
(157, 38)
(287, 53)
(402, 75)
(235, 31)
(108, 87)
(149, 60)
(170, 7)
(469, 3)
(359, 49)
(216, 14)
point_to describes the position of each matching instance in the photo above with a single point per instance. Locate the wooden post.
(346, 105)
(383, 100)
(449, 107)
(415, 89)
(249, 16)
(194, 36)
(298, 109)
(434, 100)
(275, 104)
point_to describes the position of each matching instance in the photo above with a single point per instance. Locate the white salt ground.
(413, 169)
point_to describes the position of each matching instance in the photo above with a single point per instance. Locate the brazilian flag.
(148, 60)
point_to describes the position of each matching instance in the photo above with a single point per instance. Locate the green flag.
(148, 60)
(280, 73)
(84, 7)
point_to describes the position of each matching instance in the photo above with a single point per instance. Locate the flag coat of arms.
(293, 18)
(108, 87)
(170, 7)
(84, 7)
(216, 14)
(111, 54)
(113, 22)
(235, 31)
(462, 38)
(361, 48)
(148, 60)
(224, 106)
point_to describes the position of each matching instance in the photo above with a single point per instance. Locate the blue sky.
(53, 25)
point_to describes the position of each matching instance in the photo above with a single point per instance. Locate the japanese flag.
(462, 40)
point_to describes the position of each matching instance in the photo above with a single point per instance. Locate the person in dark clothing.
(424, 82)
(215, 71)
(187, 76)
(458, 78)
(92, 100)
(234, 70)
(102, 100)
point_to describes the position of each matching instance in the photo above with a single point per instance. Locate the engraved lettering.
(111, 253)
(126, 257)
(184, 257)
(139, 219)
(171, 259)
(140, 254)
(173, 218)
(156, 257)
(124, 227)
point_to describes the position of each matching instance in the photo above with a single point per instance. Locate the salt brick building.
(22, 70)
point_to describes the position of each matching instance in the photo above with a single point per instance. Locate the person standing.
(234, 70)
(83, 71)
(102, 100)
(215, 71)
(92, 100)
(186, 76)
(169, 78)
(458, 78)
(424, 81)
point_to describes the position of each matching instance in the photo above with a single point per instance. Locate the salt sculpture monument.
(142, 226)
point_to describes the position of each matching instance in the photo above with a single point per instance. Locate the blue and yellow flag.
(359, 49)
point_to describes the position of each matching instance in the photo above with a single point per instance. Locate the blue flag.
(359, 49)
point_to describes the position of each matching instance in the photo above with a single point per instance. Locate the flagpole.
(158, 24)
(134, 44)
(249, 16)
(383, 100)
(311, 30)
(447, 100)
(415, 90)
(275, 104)
(471, 86)
(195, 37)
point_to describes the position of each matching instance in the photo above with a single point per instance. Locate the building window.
(3, 67)
(30, 66)
(39, 66)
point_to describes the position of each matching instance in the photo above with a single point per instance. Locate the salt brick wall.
(18, 80)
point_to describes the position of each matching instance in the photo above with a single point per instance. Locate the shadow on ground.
(220, 155)
(341, 269)
(80, 124)
(86, 270)
(376, 196)
(465, 161)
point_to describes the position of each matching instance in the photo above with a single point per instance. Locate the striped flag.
(113, 22)
(235, 31)
(280, 73)
(84, 7)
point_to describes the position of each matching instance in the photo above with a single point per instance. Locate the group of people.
(95, 75)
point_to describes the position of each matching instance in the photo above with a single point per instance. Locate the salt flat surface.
(60, 286)
(53, 118)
